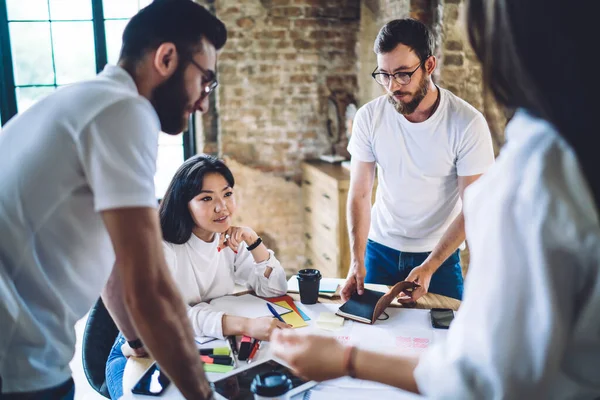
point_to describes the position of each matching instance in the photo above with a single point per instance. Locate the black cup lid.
(271, 384)
(309, 274)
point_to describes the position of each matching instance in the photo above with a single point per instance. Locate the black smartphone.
(441, 317)
(152, 383)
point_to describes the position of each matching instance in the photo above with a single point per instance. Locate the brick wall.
(283, 59)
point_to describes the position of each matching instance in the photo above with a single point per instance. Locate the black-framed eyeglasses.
(402, 78)
(210, 80)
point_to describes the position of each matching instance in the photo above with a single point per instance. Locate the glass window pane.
(74, 55)
(120, 8)
(27, 96)
(170, 157)
(70, 9)
(114, 38)
(27, 10)
(32, 53)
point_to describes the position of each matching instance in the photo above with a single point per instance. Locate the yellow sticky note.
(330, 321)
(292, 318)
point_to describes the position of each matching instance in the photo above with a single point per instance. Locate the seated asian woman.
(208, 256)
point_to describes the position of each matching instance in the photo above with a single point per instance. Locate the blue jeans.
(65, 391)
(115, 367)
(388, 266)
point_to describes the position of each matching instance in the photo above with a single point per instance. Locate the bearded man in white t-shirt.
(428, 146)
(77, 197)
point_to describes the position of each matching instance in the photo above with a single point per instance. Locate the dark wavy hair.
(535, 56)
(175, 219)
(181, 22)
(409, 32)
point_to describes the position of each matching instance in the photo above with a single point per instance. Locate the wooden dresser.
(325, 191)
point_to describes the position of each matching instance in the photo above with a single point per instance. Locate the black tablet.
(235, 385)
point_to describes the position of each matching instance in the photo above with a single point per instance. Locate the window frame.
(8, 89)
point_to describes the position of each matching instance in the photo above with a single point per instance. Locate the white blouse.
(529, 325)
(202, 273)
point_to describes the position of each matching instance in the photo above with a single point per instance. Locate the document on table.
(356, 389)
(247, 305)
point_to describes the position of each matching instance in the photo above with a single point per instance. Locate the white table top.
(407, 331)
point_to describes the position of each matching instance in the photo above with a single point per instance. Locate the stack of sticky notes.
(293, 318)
(329, 321)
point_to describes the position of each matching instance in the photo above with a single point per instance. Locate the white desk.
(407, 331)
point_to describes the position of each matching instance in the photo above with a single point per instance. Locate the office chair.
(98, 338)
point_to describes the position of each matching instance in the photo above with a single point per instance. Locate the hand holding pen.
(275, 313)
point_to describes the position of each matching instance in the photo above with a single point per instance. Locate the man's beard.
(410, 107)
(170, 101)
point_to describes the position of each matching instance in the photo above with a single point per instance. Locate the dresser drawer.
(322, 229)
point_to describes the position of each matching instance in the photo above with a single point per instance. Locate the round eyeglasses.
(210, 82)
(402, 78)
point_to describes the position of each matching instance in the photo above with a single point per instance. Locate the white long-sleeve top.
(529, 324)
(202, 273)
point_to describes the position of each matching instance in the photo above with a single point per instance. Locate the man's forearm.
(359, 222)
(160, 318)
(449, 242)
(112, 296)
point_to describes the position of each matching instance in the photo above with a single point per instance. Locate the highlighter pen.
(245, 348)
(217, 360)
(275, 313)
(217, 350)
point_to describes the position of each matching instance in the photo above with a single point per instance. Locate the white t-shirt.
(203, 273)
(418, 165)
(529, 324)
(88, 147)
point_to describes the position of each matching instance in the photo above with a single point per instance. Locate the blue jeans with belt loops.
(387, 266)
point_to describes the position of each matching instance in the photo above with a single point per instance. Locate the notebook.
(247, 305)
(328, 287)
(367, 308)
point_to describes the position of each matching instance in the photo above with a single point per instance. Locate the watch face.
(135, 344)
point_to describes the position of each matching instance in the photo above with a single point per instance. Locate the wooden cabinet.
(325, 191)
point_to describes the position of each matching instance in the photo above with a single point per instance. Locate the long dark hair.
(175, 219)
(536, 56)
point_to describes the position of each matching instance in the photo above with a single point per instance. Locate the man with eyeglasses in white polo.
(428, 146)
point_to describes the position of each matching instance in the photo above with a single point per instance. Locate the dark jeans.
(388, 266)
(115, 367)
(65, 391)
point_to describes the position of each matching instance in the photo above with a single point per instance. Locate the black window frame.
(8, 93)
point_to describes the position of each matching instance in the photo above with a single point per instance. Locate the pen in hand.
(275, 313)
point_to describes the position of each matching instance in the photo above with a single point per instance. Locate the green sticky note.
(217, 368)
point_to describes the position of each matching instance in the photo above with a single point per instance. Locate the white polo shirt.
(529, 323)
(86, 148)
(418, 165)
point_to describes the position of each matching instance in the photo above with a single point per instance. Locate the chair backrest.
(98, 338)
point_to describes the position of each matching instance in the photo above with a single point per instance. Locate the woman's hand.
(262, 328)
(235, 235)
(312, 357)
